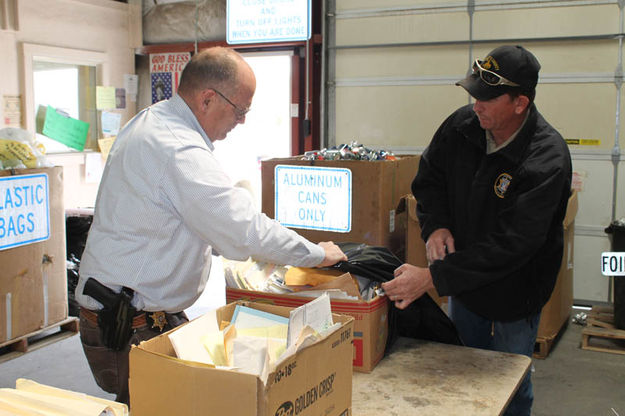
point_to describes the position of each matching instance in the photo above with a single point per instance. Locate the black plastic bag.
(422, 319)
(76, 232)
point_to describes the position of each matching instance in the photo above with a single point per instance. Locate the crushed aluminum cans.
(352, 151)
(580, 318)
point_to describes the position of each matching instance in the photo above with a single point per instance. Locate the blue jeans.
(516, 337)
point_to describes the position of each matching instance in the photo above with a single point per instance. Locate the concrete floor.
(573, 381)
(570, 381)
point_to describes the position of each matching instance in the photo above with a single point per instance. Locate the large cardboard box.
(557, 310)
(317, 380)
(376, 189)
(370, 321)
(33, 276)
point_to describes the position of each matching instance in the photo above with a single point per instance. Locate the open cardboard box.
(317, 380)
(370, 321)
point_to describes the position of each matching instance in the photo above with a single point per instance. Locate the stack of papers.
(252, 275)
(32, 398)
(254, 342)
(299, 281)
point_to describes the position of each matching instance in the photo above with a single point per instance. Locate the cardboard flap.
(571, 209)
(153, 376)
(401, 206)
(408, 204)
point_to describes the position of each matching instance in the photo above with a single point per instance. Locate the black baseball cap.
(503, 67)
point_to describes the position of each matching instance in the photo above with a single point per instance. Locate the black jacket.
(504, 210)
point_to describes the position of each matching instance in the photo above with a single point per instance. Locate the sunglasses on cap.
(490, 77)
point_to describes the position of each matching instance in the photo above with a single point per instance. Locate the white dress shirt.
(164, 202)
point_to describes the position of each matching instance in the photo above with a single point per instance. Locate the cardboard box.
(376, 189)
(557, 310)
(33, 277)
(415, 246)
(315, 381)
(370, 321)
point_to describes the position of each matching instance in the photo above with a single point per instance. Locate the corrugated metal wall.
(392, 65)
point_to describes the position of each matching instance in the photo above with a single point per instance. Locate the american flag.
(161, 86)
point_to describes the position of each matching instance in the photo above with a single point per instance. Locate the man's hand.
(409, 284)
(333, 254)
(439, 244)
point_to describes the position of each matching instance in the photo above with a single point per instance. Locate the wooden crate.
(600, 333)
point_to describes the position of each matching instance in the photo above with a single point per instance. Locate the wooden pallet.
(30, 342)
(543, 344)
(542, 347)
(600, 333)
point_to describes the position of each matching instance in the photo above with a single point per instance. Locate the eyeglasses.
(238, 112)
(490, 77)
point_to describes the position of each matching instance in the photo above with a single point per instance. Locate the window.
(66, 80)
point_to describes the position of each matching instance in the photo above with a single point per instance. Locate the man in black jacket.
(492, 191)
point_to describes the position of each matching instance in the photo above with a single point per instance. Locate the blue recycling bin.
(616, 230)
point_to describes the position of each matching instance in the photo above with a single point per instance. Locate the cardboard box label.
(24, 210)
(314, 198)
(308, 397)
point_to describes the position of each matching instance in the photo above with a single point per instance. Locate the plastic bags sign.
(24, 210)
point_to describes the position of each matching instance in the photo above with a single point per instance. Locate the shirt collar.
(182, 109)
(491, 146)
(475, 134)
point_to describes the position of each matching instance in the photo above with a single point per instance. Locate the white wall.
(104, 26)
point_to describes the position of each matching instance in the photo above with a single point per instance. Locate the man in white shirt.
(164, 202)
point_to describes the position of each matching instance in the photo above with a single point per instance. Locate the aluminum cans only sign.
(24, 210)
(314, 198)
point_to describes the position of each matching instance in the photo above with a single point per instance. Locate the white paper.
(249, 355)
(93, 167)
(111, 123)
(131, 83)
(306, 338)
(316, 314)
(187, 339)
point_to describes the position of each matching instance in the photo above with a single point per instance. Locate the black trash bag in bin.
(422, 319)
(76, 231)
(617, 233)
